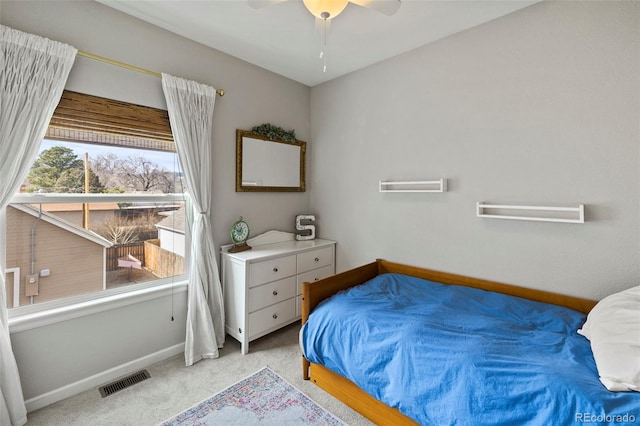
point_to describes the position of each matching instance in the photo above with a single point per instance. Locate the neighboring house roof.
(173, 222)
(63, 224)
(77, 207)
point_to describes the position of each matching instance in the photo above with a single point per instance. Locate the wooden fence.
(121, 250)
(161, 262)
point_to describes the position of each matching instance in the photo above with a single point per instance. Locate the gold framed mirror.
(269, 165)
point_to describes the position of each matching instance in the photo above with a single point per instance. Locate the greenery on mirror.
(274, 132)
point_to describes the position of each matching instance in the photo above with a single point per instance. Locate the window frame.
(85, 118)
(38, 314)
(28, 316)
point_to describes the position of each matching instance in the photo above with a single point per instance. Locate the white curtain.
(190, 106)
(33, 72)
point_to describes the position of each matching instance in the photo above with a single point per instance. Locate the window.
(102, 210)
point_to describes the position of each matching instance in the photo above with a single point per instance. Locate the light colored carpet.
(173, 387)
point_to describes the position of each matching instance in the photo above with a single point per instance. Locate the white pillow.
(613, 328)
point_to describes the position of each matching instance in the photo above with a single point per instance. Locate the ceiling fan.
(325, 10)
(328, 9)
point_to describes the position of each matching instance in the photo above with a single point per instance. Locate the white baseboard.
(101, 378)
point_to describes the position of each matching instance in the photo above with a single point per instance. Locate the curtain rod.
(220, 92)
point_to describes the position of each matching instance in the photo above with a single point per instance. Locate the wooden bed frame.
(348, 392)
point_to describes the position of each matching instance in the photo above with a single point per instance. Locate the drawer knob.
(275, 292)
(316, 279)
(275, 269)
(317, 259)
(275, 316)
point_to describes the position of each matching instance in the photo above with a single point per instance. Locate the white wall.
(172, 241)
(540, 106)
(61, 359)
(75, 352)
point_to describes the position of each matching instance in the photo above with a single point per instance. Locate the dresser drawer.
(271, 270)
(315, 259)
(314, 275)
(272, 316)
(271, 293)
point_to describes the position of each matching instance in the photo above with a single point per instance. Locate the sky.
(163, 159)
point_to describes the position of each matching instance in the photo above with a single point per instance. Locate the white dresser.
(262, 287)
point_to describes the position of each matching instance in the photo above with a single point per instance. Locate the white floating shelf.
(439, 185)
(563, 214)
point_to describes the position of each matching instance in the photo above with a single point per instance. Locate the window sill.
(28, 321)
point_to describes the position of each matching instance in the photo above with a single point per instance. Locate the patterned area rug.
(263, 398)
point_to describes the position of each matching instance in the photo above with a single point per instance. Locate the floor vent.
(124, 383)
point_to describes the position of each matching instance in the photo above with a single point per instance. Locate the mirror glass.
(264, 165)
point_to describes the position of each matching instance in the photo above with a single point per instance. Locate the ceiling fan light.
(320, 8)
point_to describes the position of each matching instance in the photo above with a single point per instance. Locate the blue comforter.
(448, 354)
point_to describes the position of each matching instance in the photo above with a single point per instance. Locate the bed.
(484, 353)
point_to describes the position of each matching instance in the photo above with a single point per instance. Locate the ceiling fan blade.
(259, 4)
(387, 7)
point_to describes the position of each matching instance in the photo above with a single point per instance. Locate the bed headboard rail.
(576, 303)
(327, 287)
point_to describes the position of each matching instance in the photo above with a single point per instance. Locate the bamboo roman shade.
(87, 118)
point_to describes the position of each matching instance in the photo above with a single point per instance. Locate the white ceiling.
(283, 37)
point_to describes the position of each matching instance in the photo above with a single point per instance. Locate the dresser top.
(279, 249)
